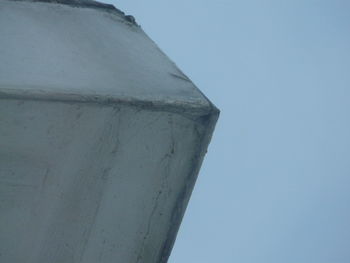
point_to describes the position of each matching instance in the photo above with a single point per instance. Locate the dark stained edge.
(75, 3)
(206, 125)
(85, 4)
(189, 110)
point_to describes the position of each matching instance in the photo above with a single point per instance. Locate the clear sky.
(275, 185)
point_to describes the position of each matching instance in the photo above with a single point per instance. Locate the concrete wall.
(101, 137)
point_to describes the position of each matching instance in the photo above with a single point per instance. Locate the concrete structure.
(101, 136)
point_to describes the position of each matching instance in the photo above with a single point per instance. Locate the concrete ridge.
(191, 110)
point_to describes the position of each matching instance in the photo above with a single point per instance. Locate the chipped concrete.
(100, 141)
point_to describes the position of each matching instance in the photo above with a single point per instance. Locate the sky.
(275, 184)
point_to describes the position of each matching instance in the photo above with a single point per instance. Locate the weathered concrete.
(101, 136)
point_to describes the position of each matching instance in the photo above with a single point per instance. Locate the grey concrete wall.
(101, 137)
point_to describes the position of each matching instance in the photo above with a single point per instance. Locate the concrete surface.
(101, 136)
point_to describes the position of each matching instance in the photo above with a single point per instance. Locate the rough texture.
(101, 137)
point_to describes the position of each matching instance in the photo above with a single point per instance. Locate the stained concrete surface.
(101, 137)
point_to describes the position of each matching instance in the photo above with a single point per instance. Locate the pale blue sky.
(275, 185)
